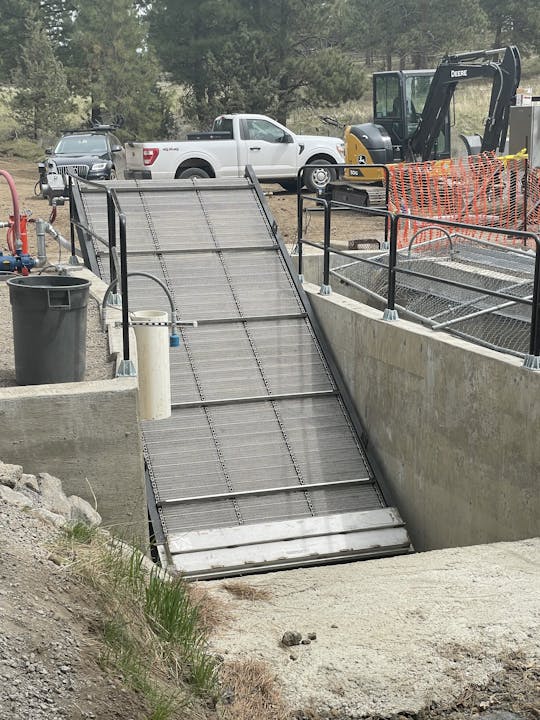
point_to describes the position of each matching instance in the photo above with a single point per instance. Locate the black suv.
(95, 154)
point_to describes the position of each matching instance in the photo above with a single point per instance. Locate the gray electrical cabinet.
(525, 132)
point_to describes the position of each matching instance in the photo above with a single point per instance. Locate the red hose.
(16, 216)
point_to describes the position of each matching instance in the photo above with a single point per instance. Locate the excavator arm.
(453, 69)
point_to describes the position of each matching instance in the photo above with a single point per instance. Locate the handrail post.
(386, 172)
(532, 360)
(73, 260)
(325, 287)
(111, 227)
(126, 366)
(299, 232)
(390, 312)
(525, 199)
(124, 286)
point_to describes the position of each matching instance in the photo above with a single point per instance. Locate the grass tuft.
(80, 533)
(151, 629)
(252, 692)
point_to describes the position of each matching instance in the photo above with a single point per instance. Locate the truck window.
(259, 129)
(223, 124)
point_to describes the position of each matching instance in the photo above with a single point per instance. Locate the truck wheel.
(191, 172)
(317, 178)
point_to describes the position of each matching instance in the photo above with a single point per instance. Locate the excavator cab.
(399, 98)
(398, 102)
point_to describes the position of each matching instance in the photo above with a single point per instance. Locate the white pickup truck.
(274, 152)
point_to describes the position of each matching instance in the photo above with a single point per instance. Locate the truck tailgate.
(134, 156)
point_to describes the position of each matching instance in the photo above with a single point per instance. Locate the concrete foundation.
(453, 426)
(85, 433)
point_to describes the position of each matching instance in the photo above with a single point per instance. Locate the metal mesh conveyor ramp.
(260, 465)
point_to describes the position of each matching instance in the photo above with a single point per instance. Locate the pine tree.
(42, 98)
(113, 67)
(253, 55)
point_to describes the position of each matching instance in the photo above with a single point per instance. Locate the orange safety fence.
(478, 190)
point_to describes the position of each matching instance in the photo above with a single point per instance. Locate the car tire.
(190, 173)
(112, 175)
(318, 177)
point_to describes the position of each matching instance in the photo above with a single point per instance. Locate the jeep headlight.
(99, 166)
(341, 149)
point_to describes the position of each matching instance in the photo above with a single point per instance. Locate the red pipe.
(16, 212)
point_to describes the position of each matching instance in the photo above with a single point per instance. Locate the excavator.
(411, 110)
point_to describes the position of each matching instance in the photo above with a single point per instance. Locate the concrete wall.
(85, 433)
(454, 426)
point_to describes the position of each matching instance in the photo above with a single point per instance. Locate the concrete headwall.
(85, 433)
(454, 426)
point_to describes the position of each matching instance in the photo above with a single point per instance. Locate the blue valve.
(174, 340)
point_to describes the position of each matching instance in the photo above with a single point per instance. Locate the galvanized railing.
(393, 220)
(118, 270)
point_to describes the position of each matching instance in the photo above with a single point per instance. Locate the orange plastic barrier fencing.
(478, 190)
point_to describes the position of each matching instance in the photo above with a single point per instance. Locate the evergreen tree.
(13, 15)
(42, 98)
(111, 65)
(514, 22)
(253, 55)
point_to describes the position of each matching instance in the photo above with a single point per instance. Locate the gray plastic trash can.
(49, 328)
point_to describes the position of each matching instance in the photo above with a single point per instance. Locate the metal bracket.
(115, 299)
(532, 362)
(325, 290)
(390, 315)
(126, 369)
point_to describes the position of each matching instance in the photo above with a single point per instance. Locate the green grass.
(152, 632)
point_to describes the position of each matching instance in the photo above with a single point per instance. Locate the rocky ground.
(49, 641)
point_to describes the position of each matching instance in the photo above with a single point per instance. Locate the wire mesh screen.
(455, 282)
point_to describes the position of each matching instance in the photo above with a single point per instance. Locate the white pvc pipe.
(153, 364)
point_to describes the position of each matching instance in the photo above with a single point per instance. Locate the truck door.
(269, 148)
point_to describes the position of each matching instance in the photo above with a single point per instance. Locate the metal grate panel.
(260, 451)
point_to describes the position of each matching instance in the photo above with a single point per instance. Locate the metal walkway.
(260, 465)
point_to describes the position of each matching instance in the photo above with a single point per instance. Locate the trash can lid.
(45, 282)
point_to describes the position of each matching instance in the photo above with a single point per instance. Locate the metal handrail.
(392, 222)
(114, 211)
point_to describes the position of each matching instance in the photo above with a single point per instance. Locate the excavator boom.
(453, 69)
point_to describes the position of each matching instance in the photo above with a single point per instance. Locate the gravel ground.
(49, 640)
(98, 365)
